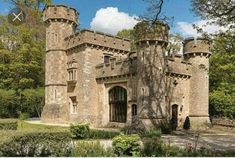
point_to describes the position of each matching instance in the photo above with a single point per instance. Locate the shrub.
(91, 149)
(8, 124)
(127, 145)
(101, 134)
(40, 143)
(155, 147)
(152, 133)
(80, 131)
(166, 127)
(24, 116)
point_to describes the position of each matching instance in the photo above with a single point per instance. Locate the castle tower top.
(144, 31)
(195, 46)
(60, 13)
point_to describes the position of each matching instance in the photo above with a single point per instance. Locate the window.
(134, 109)
(72, 70)
(106, 59)
(74, 105)
(72, 75)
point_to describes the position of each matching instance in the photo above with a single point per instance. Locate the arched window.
(118, 104)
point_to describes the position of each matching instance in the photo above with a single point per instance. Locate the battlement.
(197, 46)
(60, 13)
(116, 68)
(179, 67)
(98, 39)
(144, 31)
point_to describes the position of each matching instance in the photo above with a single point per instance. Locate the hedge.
(37, 143)
(91, 149)
(127, 145)
(83, 131)
(8, 124)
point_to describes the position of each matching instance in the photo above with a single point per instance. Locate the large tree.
(221, 12)
(22, 50)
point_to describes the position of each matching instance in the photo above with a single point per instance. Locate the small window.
(74, 108)
(134, 110)
(72, 75)
(106, 59)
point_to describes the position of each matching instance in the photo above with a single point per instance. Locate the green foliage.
(91, 149)
(152, 133)
(101, 134)
(24, 116)
(222, 105)
(127, 145)
(166, 127)
(80, 131)
(221, 12)
(22, 51)
(37, 143)
(129, 34)
(8, 124)
(32, 101)
(222, 76)
(7, 103)
(83, 131)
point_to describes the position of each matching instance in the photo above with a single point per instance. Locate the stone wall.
(112, 43)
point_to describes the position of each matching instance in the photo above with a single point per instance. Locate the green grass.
(22, 126)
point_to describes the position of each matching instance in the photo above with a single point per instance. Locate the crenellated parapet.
(179, 69)
(60, 13)
(116, 68)
(198, 46)
(98, 40)
(145, 31)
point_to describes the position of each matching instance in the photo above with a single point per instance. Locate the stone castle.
(94, 77)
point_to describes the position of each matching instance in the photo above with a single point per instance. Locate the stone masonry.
(94, 77)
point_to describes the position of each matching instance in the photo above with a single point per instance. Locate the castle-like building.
(94, 77)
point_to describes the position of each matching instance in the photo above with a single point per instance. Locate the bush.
(155, 147)
(80, 131)
(91, 149)
(43, 143)
(8, 124)
(152, 133)
(166, 127)
(101, 134)
(127, 145)
(24, 116)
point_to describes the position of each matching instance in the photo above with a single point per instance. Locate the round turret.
(144, 31)
(199, 46)
(60, 13)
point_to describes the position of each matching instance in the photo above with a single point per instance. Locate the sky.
(111, 16)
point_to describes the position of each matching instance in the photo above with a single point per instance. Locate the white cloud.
(110, 20)
(187, 29)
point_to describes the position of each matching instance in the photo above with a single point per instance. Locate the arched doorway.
(118, 104)
(174, 116)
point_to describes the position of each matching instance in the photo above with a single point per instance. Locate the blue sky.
(101, 14)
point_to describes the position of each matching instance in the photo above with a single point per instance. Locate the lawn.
(25, 126)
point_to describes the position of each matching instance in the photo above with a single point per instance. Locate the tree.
(22, 50)
(221, 12)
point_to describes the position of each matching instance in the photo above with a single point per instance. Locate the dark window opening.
(118, 104)
(106, 59)
(134, 110)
